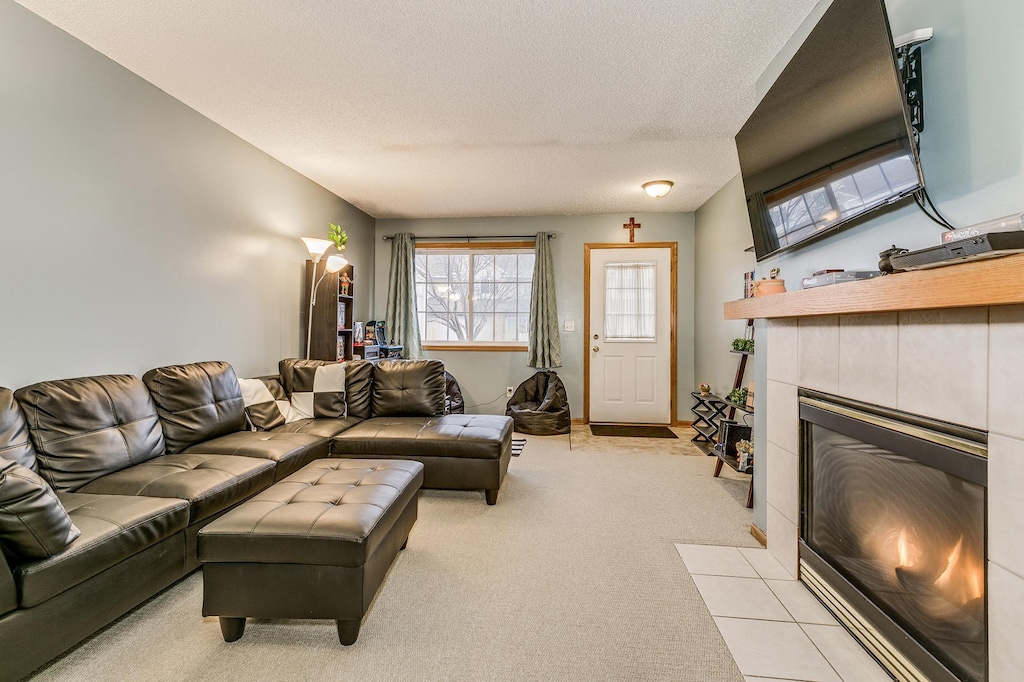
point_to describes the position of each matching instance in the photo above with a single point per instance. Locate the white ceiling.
(443, 108)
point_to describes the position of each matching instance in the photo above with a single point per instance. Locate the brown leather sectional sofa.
(140, 466)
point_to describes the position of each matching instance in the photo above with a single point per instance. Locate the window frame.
(462, 247)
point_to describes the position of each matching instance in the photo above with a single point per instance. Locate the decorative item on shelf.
(737, 396)
(745, 454)
(337, 236)
(705, 390)
(748, 284)
(743, 345)
(357, 333)
(768, 287)
(370, 335)
(344, 284)
(342, 309)
(750, 396)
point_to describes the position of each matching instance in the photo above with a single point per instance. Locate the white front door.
(630, 335)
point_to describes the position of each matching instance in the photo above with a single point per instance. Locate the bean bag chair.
(453, 401)
(540, 406)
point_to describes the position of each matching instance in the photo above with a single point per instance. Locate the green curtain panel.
(545, 349)
(400, 316)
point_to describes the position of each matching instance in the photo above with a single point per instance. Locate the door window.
(629, 303)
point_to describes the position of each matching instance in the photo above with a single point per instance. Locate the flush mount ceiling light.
(657, 188)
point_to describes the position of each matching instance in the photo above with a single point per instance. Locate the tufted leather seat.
(454, 435)
(210, 483)
(289, 451)
(315, 545)
(325, 428)
(333, 512)
(113, 527)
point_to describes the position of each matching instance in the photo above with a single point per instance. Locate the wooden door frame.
(673, 320)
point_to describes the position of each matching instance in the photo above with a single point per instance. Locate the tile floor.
(774, 627)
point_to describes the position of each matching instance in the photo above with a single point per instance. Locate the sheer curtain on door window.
(630, 297)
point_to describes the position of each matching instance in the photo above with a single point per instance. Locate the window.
(629, 302)
(474, 296)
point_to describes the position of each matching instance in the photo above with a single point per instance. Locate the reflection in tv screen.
(831, 141)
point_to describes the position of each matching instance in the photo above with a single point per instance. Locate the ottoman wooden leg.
(232, 628)
(348, 631)
(492, 496)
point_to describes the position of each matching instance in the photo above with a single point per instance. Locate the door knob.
(596, 349)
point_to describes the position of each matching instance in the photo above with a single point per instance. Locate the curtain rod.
(490, 238)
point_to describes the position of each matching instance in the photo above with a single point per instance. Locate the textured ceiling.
(442, 108)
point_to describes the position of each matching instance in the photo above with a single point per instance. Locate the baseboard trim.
(759, 535)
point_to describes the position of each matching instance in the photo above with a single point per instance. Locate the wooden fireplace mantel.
(997, 281)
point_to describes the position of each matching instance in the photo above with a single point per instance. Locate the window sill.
(493, 347)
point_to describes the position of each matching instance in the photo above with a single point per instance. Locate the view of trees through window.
(796, 217)
(474, 296)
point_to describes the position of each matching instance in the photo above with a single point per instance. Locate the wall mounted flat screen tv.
(831, 140)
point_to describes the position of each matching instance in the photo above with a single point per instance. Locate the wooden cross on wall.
(631, 226)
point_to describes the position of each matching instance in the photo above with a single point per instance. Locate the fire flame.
(963, 580)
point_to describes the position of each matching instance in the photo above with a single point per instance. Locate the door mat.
(625, 431)
(517, 446)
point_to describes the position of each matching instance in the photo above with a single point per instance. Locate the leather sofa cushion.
(478, 436)
(33, 524)
(15, 444)
(327, 428)
(210, 483)
(408, 388)
(358, 382)
(333, 512)
(114, 527)
(196, 402)
(83, 429)
(288, 451)
(8, 590)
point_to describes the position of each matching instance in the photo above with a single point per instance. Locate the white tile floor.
(774, 627)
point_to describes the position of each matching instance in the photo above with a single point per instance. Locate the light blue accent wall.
(972, 152)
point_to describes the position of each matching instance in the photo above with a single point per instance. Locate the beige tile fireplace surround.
(963, 365)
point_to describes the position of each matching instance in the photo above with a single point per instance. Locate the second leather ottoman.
(315, 545)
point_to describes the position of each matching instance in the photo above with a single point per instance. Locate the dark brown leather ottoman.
(315, 545)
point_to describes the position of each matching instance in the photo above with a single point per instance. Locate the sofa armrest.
(8, 591)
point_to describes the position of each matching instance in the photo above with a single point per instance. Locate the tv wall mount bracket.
(908, 55)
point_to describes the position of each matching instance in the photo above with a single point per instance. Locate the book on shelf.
(748, 284)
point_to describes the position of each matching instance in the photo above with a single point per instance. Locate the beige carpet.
(571, 576)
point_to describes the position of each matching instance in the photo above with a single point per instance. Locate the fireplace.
(893, 533)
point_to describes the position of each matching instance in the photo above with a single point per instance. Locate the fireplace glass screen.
(910, 537)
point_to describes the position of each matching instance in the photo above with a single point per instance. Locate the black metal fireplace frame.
(945, 457)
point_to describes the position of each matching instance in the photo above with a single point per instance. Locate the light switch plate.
(570, 325)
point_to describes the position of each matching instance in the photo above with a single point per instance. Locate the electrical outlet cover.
(570, 325)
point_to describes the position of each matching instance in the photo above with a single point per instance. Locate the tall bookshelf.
(333, 313)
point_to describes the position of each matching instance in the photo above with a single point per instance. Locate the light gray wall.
(483, 375)
(722, 236)
(972, 152)
(134, 232)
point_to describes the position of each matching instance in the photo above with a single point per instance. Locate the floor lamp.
(317, 248)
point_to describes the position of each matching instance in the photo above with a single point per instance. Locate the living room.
(162, 161)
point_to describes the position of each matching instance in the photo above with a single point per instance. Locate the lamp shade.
(657, 188)
(335, 263)
(316, 247)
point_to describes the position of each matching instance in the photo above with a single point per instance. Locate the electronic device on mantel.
(990, 245)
